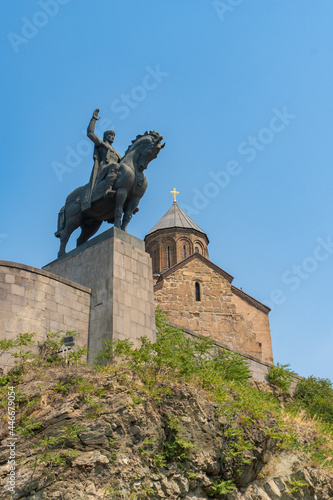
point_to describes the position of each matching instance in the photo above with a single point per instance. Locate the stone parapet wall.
(33, 300)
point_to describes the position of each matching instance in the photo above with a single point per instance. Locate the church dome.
(176, 218)
(174, 238)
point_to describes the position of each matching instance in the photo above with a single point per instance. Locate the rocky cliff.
(111, 434)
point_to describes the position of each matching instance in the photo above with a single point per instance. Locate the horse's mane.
(152, 132)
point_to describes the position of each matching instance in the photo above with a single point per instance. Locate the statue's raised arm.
(91, 129)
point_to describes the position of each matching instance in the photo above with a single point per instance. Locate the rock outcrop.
(104, 436)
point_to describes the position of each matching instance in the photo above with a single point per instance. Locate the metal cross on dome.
(174, 192)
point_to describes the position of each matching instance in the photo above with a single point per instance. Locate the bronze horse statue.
(130, 185)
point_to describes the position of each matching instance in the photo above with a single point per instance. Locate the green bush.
(221, 487)
(198, 356)
(176, 354)
(49, 349)
(113, 349)
(228, 365)
(295, 485)
(280, 376)
(315, 395)
(54, 450)
(18, 347)
(195, 357)
(13, 377)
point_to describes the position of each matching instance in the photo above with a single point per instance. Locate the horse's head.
(146, 148)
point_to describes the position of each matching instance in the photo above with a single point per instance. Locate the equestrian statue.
(115, 188)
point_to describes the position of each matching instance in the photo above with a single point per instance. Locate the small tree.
(280, 376)
(18, 347)
(52, 346)
(316, 396)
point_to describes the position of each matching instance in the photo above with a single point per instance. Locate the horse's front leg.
(131, 206)
(121, 196)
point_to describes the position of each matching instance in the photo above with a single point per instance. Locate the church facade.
(197, 294)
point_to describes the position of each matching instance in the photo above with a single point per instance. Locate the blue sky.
(241, 92)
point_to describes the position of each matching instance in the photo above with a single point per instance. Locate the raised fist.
(95, 115)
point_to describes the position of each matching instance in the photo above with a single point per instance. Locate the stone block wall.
(33, 300)
(115, 266)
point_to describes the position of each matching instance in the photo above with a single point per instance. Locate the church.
(197, 294)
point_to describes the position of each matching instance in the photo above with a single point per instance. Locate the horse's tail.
(61, 222)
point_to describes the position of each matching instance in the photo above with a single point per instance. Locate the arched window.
(169, 260)
(184, 248)
(196, 249)
(197, 291)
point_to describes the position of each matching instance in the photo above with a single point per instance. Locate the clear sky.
(241, 92)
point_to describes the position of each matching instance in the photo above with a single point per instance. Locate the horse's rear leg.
(72, 223)
(64, 237)
(88, 230)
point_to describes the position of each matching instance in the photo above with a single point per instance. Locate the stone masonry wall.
(215, 315)
(259, 318)
(118, 271)
(32, 300)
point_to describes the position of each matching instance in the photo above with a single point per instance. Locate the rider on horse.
(106, 165)
(115, 188)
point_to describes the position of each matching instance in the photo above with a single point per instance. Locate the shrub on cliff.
(315, 395)
(280, 376)
(176, 353)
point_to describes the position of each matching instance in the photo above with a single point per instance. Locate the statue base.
(115, 266)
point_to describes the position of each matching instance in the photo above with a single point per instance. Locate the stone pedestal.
(115, 266)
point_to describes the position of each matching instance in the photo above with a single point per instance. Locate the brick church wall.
(257, 315)
(218, 314)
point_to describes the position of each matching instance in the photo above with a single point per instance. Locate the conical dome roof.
(176, 218)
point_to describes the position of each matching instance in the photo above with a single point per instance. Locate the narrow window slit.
(197, 292)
